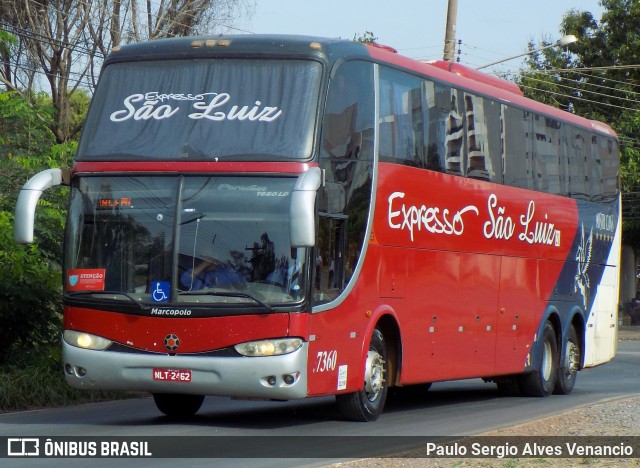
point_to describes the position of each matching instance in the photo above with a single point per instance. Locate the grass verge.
(42, 385)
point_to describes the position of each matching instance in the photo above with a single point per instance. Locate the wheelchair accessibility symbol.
(160, 291)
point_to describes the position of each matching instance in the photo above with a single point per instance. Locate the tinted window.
(402, 126)
(578, 151)
(454, 134)
(203, 110)
(517, 147)
(347, 158)
(347, 128)
(547, 133)
(436, 107)
(608, 151)
(483, 143)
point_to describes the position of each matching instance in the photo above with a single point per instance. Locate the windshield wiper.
(226, 294)
(119, 293)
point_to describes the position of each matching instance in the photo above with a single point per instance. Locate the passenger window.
(578, 153)
(516, 147)
(402, 126)
(546, 144)
(483, 160)
(595, 166)
(454, 135)
(348, 122)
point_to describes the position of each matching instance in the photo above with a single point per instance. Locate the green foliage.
(366, 38)
(79, 102)
(38, 381)
(6, 41)
(24, 127)
(597, 77)
(30, 275)
(30, 293)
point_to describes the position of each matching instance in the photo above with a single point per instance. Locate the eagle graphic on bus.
(583, 260)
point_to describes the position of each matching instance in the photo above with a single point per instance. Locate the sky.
(490, 30)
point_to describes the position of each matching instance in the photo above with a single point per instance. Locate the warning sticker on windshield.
(86, 279)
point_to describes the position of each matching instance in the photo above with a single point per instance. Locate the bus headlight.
(85, 340)
(273, 347)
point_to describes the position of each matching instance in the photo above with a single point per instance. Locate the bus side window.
(595, 173)
(577, 152)
(516, 147)
(493, 148)
(347, 131)
(546, 144)
(402, 126)
(607, 148)
(345, 197)
(482, 116)
(454, 135)
(435, 112)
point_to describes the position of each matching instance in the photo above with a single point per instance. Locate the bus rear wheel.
(368, 403)
(542, 381)
(176, 405)
(569, 365)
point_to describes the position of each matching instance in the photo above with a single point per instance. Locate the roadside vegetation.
(31, 373)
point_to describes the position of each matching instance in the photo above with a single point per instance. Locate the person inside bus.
(208, 273)
(263, 258)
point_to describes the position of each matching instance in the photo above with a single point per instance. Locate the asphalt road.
(448, 409)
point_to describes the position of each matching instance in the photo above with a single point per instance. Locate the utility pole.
(450, 31)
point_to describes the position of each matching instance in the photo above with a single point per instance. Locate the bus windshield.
(183, 239)
(203, 110)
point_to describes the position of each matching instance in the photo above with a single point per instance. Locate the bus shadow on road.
(279, 415)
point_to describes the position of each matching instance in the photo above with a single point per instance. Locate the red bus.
(281, 217)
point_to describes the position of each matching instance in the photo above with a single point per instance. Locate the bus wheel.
(569, 365)
(177, 405)
(542, 381)
(368, 403)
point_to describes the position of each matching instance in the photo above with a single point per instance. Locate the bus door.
(331, 257)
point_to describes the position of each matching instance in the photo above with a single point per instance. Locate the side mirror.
(28, 199)
(302, 222)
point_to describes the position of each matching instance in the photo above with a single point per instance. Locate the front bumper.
(243, 377)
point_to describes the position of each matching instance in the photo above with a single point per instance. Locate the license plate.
(172, 375)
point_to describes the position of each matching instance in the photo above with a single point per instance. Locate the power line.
(587, 91)
(588, 81)
(27, 34)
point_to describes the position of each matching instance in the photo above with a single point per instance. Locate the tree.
(6, 41)
(366, 38)
(598, 78)
(66, 40)
(30, 276)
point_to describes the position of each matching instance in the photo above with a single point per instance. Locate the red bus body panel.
(460, 262)
(196, 335)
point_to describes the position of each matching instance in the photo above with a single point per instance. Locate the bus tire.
(569, 364)
(367, 404)
(542, 381)
(176, 405)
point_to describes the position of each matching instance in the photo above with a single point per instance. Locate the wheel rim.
(572, 358)
(374, 375)
(547, 361)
